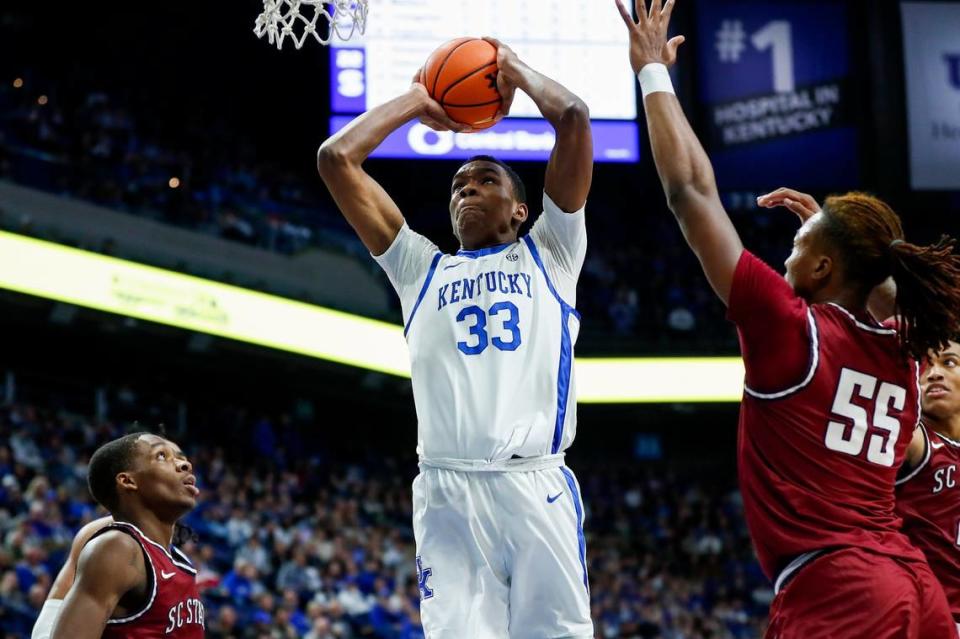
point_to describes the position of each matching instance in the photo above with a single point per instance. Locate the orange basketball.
(462, 76)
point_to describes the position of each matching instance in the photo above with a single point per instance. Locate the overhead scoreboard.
(578, 44)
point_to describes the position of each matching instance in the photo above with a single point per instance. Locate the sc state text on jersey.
(944, 478)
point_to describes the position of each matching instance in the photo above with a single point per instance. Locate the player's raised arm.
(682, 163)
(110, 566)
(368, 208)
(570, 169)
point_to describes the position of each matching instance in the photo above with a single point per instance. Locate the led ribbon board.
(56, 272)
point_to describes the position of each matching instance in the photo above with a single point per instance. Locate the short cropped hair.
(107, 461)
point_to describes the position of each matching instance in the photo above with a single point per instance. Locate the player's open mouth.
(936, 390)
(191, 483)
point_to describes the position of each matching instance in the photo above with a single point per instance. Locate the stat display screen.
(576, 43)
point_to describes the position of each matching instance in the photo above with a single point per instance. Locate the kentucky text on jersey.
(496, 282)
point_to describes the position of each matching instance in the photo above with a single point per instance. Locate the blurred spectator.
(288, 546)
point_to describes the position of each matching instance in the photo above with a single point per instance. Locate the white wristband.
(43, 628)
(655, 78)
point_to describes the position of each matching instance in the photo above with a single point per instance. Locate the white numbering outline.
(884, 429)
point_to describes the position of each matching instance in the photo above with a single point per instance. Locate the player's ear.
(822, 268)
(520, 214)
(126, 481)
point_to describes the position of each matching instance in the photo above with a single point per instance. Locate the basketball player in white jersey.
(497, 516)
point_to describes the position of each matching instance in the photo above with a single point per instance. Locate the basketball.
(462, 76)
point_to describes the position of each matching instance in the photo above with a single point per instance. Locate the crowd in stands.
(639, 281)
(93, 146)
(290, 541)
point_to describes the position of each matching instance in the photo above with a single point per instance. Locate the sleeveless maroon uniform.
(829, 408)
(173, 608)
(928, 500)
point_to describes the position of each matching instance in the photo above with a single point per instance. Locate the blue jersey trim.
(536, 258)
(566, 350)
(423, 290)
(581, 541)
(489, 250)
(563, 378)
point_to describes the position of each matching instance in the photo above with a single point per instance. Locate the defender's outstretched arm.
(684, 168)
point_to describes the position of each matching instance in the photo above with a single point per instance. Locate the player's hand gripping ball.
(461, 76)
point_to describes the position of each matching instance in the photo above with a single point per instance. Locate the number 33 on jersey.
(491, 335)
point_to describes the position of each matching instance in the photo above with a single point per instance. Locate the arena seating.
(314, 545)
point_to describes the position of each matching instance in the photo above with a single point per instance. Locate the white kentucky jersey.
(491, 335)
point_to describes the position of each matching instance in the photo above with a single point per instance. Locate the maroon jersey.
(173, 607)
(829, 408)
(928, 500)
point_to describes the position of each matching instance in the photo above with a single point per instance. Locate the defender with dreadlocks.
(131, 582)
(831, 397)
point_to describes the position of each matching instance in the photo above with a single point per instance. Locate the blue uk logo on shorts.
(422, 575)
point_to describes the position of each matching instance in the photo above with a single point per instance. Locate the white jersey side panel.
(491, 336)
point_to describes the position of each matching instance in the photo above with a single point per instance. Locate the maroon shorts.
(855, 594)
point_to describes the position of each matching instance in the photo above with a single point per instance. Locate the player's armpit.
(109, 566)
(916, 451)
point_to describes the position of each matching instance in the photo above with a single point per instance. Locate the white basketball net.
(283, 18)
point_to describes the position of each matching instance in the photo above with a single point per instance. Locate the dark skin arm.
(684, 168)
(368, 208)
(570, 169)
(916, 451)
(61, 585)
(110, 567)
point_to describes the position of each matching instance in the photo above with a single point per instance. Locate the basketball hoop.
(283, 18)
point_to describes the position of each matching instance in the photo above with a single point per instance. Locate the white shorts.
(501, 554)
